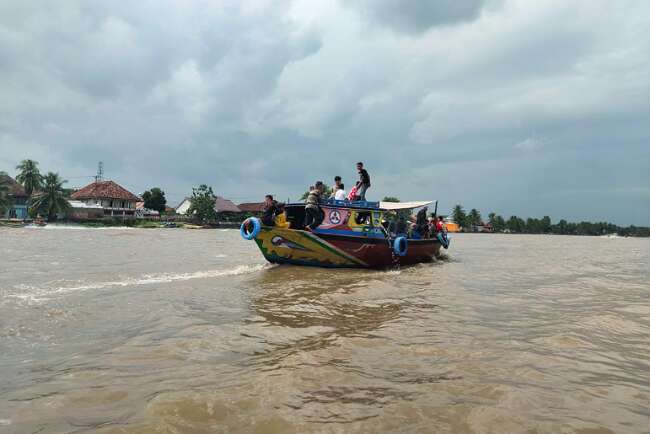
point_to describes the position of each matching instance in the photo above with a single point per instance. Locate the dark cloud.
(526, 108)
(415, 16)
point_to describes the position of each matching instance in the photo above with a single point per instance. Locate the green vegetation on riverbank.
(470, 221)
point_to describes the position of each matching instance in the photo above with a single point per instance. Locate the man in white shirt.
(340, 194)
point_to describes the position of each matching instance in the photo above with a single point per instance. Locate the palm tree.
(4, 193)
(459, 216)
(30, 177)
(473, 219)
(51, 200)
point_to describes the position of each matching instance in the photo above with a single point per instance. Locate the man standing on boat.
(313, 214)
(363, 184)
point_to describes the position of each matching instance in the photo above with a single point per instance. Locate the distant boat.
(350, 236)
(451, 225)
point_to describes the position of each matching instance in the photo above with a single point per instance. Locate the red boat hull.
(377, 253)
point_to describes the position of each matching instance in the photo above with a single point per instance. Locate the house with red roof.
(114, 200)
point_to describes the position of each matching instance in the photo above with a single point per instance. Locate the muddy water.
(180, 331)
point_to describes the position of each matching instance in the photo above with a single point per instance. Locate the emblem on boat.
(335, 217)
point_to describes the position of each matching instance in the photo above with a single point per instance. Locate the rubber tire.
(400, 246)
(257, 226)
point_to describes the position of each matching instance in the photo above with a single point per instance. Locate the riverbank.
(139, 224)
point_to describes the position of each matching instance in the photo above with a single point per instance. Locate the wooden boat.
(350, 236)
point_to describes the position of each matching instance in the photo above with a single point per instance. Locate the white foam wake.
(53, 226)
(37, 294)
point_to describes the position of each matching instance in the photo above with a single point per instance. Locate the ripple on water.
(509, 334)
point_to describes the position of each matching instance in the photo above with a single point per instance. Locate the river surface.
(182, 331)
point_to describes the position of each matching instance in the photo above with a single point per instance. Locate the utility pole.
(100, 172)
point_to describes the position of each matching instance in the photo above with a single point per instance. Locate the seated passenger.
(414, 233)
(337, 185)
(401, 227)
(271, 209)
(362, 218)
(339, 194)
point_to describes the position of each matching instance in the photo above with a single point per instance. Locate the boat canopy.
(394, 206)
(368, 205)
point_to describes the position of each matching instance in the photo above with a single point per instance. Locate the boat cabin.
(340, 216)
(360, 218)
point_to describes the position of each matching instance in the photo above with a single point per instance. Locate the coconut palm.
(459, 216)
(51, 200)
(30, 177)
(473, 218)
(5, 201)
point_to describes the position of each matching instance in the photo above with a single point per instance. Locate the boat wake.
(53, 226)
(39, 294)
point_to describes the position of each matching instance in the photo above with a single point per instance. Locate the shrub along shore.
(518, 225)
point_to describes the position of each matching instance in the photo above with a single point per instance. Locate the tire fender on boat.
(400, 246)
(257, 226)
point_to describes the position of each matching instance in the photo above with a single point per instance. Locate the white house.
(220, 205)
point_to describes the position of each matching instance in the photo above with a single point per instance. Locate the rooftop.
(251, 206)
(221, 205)
(15, 189)
(104, 190)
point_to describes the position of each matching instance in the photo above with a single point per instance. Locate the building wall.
(111, 203)
(16, 211)
(84, 213)
(183, 207)
(109, 208)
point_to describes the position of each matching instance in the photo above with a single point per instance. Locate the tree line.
(469, 221)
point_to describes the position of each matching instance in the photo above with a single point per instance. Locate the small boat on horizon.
(351, 235)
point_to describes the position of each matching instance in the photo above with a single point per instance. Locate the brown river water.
(181, 331)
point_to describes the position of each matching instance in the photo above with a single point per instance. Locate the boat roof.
(363, 204)
(393, 206)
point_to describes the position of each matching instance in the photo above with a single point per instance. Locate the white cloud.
(530, 144)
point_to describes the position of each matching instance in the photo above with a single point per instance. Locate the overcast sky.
(518, 107)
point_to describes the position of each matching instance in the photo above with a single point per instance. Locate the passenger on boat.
(335, 188)
(398, 225)
(440, 225)
(339, 193)
(363, 184)
(272, 208)
(314, 215)
(353, 193)
(431, 226)
(421, 224)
